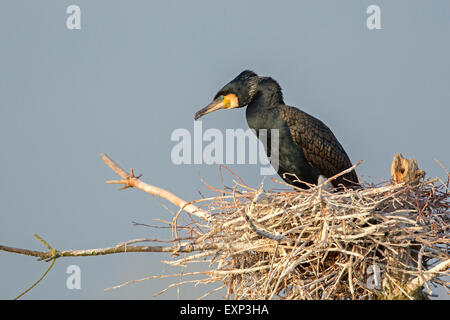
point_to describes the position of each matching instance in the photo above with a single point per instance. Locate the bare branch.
(418, 282)
(130, 181)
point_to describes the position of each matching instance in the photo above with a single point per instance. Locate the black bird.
(307, 147)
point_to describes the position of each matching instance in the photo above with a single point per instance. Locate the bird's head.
(236, 94)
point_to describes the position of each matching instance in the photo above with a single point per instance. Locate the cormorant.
(307, 147)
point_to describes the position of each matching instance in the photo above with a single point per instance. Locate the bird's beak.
(219, 103)
(229, 101)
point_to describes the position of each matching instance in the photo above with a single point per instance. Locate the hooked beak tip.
(215, 105)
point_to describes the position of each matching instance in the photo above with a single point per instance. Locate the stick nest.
(378, 242)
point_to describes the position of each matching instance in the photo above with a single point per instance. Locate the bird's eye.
(221, 98)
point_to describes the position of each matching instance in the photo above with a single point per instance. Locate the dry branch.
(130, 181)
(175, 249)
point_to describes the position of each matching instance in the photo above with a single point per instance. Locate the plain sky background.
(138, 70)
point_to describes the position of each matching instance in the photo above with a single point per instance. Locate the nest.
(386, 241)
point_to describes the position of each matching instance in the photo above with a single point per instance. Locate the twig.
(53, 252)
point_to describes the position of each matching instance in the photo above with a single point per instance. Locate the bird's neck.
(267, 95)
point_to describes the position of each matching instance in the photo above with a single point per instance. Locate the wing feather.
(321, 148)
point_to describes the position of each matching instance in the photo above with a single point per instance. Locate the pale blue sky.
(137, 70)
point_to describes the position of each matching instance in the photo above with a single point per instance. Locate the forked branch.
(131, 181)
